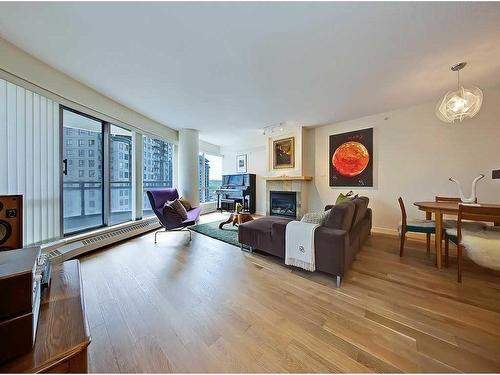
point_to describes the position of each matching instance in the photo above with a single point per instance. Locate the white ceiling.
(228, 69)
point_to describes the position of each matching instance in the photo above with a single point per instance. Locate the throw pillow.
(171, 215)
(179, 208)
(185, 203)
(345, 198)
(316, 217)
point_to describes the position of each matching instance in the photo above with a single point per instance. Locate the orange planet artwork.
(350, 158)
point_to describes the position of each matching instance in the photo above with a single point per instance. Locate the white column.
(189, 148)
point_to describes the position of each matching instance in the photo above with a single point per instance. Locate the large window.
(120, 151)
(157, 170)
(98, 189)
(210, 176)
(83, 172)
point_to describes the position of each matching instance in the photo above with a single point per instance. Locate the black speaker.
(11, 222)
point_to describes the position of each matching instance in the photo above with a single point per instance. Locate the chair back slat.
(403, 212)
(450, 199)
(447, 199)
(479, 213)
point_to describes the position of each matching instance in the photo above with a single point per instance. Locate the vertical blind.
(29, 158)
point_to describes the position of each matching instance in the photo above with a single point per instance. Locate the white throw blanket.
(299, 245)
(483, 247)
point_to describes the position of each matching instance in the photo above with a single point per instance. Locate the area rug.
(229, 234)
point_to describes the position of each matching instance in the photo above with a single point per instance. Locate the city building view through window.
(157, 170)
(210, 177)
(82, 172)
(120, 175)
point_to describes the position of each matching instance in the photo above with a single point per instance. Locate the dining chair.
(478, 241)
(450, 228)
(417, 226)
(448, 223)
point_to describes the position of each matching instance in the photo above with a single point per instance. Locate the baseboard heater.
(68, 248)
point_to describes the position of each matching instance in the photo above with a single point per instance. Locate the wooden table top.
(62, 328)
(446, 206)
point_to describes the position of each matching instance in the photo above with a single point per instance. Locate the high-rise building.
(83, 186)
(204, 178)
(158, 159)
(83, 155)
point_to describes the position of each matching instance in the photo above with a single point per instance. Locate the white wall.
(414, 155)
(295, 132)
(210, 148)
(256, 163)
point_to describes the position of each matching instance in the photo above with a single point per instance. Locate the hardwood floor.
(206, 306)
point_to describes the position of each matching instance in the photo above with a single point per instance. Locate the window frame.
(136, 163)
(201, 187)
(63, 108)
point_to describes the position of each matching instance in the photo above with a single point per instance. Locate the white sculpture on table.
(472, 198)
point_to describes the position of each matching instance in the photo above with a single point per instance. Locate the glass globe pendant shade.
(459, 104)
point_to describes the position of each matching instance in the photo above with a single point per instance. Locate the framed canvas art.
(351, 158)
(241, 163)
(284, 153)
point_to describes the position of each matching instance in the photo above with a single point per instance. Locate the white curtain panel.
(29, 158)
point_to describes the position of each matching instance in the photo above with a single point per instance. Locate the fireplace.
(283, 203)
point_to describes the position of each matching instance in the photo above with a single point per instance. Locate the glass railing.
(83, 203)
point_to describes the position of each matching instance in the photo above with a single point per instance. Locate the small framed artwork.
(351, 158)
(241, 163)
(284, 153)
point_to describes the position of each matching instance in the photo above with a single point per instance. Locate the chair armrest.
(331, 247)
(330, 237)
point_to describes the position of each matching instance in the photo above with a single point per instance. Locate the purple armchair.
(158, 198)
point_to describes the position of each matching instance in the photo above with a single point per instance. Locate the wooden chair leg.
(460, 262)
(402, 243)
(428, 244)
(446, 251)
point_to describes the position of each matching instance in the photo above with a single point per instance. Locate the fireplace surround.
(283, 203)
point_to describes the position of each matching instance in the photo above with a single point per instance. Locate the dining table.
(438, 209)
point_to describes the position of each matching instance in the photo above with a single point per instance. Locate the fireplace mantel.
(288, 178)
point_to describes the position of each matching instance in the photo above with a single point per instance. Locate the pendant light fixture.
(460, 104)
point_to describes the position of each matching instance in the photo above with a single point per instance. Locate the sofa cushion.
(266, 234)
(171, 215)
(179, 208)
(316, 217)
(341, 216)
(185, 203)
(361, 205)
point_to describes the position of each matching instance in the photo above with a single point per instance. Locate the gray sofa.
(336, 243)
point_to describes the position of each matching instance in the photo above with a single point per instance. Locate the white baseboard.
(394, 233)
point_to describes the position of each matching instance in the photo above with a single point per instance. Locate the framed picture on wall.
(241, 163)
(284, 153)
(351, 158)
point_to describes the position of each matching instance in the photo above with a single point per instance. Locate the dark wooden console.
(63, 335)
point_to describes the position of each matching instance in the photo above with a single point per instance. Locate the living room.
(277, 187)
